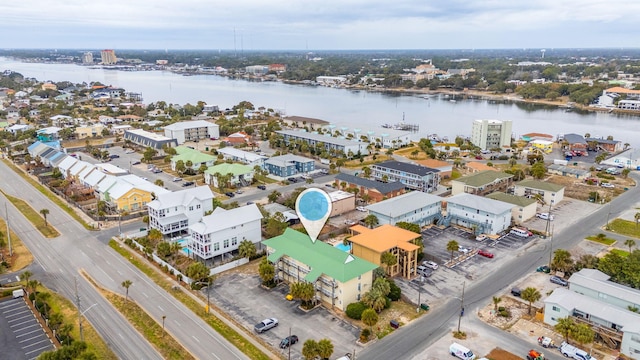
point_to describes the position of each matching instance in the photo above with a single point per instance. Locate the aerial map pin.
(313, 207)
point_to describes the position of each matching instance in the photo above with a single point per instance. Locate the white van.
(520, 232)
(461, 352)
(574, 353)
(18, 293)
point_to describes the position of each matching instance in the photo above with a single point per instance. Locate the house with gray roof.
(483, 215)
(482, 183)
(289, 165)
(339, 277)
(576, 142)
(549, 192)
(594, 300)
(222, 232)
(562, 170)
(333, 145)
(413, 207)
(412, 176)
(375, 190)
(246, 157)
(524, 208)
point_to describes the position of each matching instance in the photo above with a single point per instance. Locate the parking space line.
(26, 327)
(27, 333)
(36, 343)
(39, 349)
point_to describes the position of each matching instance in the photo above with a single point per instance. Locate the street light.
(80, 320)
(163, 317)
(461, 306)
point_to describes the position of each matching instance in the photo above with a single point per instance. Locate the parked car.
(114, 156)
(423, 271)
(265, 325)
(239, 192)
(430, 265)
(137, 162)
(288, 341)
(349, 222)
(558, 280)
(262, 187)
(516, 291)
(545, 216)
(187, 183)
(361, 208)
(177, 179)
(230, 194)
(462, 249)
(485, 254)
(544, 268)
(156, 171)
(481, 237)
(292, 179)
(607, 185)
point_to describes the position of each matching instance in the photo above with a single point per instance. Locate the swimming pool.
(343, 247)
(183, 242)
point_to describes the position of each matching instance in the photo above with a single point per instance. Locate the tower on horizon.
(108, 57)
(87, 57)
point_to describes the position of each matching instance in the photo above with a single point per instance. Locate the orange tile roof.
(622, 90)
(386, 237)
(359, 229)
(433, 163)
(479, 166)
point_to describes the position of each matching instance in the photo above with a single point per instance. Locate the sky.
(319, 24)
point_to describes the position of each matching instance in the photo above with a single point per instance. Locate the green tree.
(159, 182)
(163, 249)
(267, 271)
(246, 249)
(26, 276)
(371, 220)
(197, 271)
(387, 259)
(154, 235)
(180, 168)
(582, 334)
(538, 171)
(562, 260)
(44, 213)
(126, 284)
(273, 197)
(310, 349)
(409, 226)
(565, 327)
(148, 154)
(303, 291)
(370, 318)
(630, 243)
(452, 246)
(325, 348)
(530, 295)
(496, 301)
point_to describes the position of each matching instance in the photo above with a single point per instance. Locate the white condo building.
(192, 131)
(490, 134)
(223, 230)
(173, 212)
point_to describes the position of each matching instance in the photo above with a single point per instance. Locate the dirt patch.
(579, 189)
(516, 309)
(499, 354)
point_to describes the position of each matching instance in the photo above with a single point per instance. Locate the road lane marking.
(121, 336)
(145, 294)
(195, 338)
(177, 323)
(161, 309)
(105, 273)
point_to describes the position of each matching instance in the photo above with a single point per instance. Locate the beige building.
(549, 192)
(87, 131)
(342, 202)
(524, 209)
(338, 277)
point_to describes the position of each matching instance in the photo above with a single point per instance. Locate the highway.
(412, 340)
(62, 258)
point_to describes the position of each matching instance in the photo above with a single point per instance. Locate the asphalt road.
(77, 248)
(414, 339)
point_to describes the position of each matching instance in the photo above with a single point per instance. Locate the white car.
(462, 249)
(361, 208)
(607, 185)
(177, 179)
(545, 216)
(265, 325)
(430, 265)
(350, 222)
(481, 237)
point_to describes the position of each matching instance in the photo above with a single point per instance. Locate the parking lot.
(257, 304)
(22, 335)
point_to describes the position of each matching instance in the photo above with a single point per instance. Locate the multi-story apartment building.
(483, 215)
(332, 145)
(221, 232)
(413, 207)
(192, 131)
(413, 176)
(491, 134)
(87, 57)
(173, 212)
(288, 165)
(108, 57)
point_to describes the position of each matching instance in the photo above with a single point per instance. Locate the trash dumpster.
(424, 307)
(394, 324)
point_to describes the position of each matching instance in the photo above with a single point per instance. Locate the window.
(198, 206)
(234, 241)
(556, 309)
(190, 208)
(216, 246)
(226, 243)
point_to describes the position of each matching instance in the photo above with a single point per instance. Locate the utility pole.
(551, 246)
(461, 306)
(208, 290)
(163, 317)
(8, 231)
(289, 343)
(546, 230)
(75, 281)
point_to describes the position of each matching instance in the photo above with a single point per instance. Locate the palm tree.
(125, 284)
(310, 349)
(154, 235)
(44, 213)
(325, 348)
(247, 249)
(370, 318)
(452, 246)
(371, 221)
(33, 285)
(42, 298)
(267, 271)
(25, 276)
(630, 243)
(561, 260)
(496, 301)
(565, 327)
(531, 295)
(388, 260)
(582, 334)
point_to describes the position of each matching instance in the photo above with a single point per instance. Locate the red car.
(485, 254)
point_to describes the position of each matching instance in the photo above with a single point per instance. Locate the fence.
(163, 263)
(228, 266)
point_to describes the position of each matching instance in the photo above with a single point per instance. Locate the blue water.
(186, 250)
(343, 247)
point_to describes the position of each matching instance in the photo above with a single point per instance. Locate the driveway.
(256, 304)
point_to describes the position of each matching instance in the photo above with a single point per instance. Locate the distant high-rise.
(87, 58)
(108, 56)
(491, 134)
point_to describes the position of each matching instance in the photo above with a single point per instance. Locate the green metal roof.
(225, 168)
(511, 199)
(540, 185)
(321, 257)
(187, 154)
(483, 178)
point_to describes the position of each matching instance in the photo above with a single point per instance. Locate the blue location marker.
(313, 207)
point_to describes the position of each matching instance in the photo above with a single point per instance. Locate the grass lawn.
(605, 241)
(620, 252)
(625, 227)
(95, 343)
(216, 323)
(21, 255)
(46, 192)
(33, 216)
